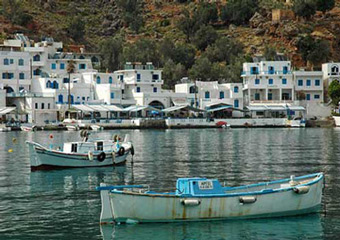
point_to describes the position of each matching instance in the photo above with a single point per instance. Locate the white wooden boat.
(72, 127)
(84, 153)
(95, 127)
(337, 120)
(201, 199)
(4, 128)
(28, 128)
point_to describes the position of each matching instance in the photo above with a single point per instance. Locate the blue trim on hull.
(311, 210)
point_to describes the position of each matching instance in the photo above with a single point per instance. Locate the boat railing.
(121, 187)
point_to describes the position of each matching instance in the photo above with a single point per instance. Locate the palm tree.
(70, 69)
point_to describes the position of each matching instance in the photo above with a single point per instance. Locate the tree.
(334, 92)
(223, 50)
(315, 51)
(269, 53)
(304, 8)
(14, 12)
(324, 5)
(204, 37)
(132, 13)
(144, 50)
(76, 28)
(185, 54)
(188, 24)
(206, 13)
(111, 52)
(201, 69)
(172, 73)
(239, 12)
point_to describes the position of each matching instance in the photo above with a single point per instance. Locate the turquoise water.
(63, 204)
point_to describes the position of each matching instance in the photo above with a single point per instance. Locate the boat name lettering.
(203, 185)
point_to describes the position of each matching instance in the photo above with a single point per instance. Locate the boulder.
(256, 20)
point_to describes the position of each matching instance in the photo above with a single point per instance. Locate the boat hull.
(337, 120)
(45, 159)
(136, 207)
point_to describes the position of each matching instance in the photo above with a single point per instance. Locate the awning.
(112, 108)
(98, 108)
(138, 108)
(257, 108)
(219, 108)
(273, 108)
(296, 108)
(83, 108)
(6, 110)
(180, 107)
(276, 108)
(217, 104)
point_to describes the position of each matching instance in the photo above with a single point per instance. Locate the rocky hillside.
(92, 22)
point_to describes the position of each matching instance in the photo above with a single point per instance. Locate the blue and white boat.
(201, 199)
(97, 153)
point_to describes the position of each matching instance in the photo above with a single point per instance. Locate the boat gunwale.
(317, 178)
(45, 150)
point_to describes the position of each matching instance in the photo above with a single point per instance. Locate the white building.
(267, 82)
(208, 94)
(309, 86)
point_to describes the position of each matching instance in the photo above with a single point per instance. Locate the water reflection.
(304, 227)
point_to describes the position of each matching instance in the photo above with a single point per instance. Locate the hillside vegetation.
(207, 40)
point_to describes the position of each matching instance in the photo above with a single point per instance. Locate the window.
(308, 82)
(316, 96)
(60, 98)
(7, 75)
(154, 89)
(254, 70)
(110, 79)
(83, 98)
(207, 95)
(138, 77)
(300, 82)
(138, 89)
(317, 82)
(284, 81)
(48, 105)
(270, 96)
(53, 66)
(285, 96)
(121, 77)
(21, 75)
(155, 77)
(192, 89)
(37, 72)
(48, 84)
(36, 58)
(257, 81)
(98, 80)
(62, 65)
(271, 70)
(82, 66)
(73, 147)
(270, 81)
(6, 61)
(236, 103)
(11, 61)
(65, 80)
(36, 105)
(308, 97)
(21, 62)
(55, 85)
(285, 70)
(335, 70)
(112, 95)
(236, 89)
(257, 96)
(221, 95)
